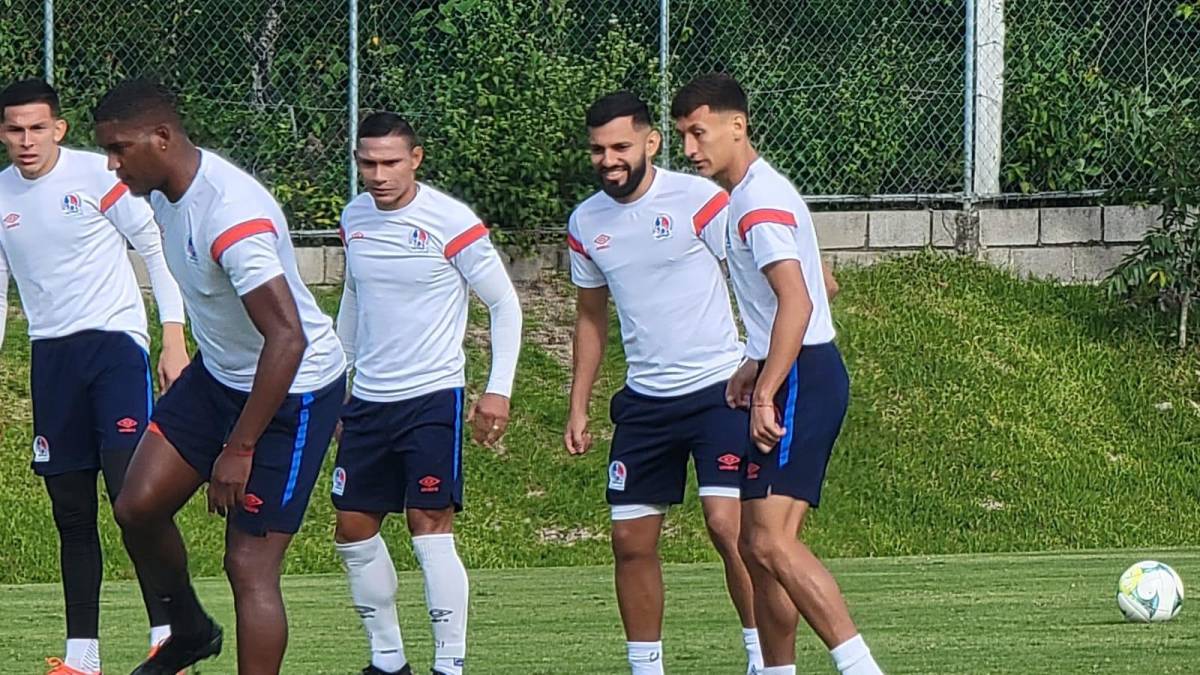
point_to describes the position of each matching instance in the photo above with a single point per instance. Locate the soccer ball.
(1150, 591)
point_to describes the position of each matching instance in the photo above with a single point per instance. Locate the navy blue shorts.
(198, 412)
(654, 436)
(401, 454)
(811, 405)
(91, 394)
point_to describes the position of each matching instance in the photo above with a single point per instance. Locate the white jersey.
(63, 237)
(404, 307)
(225, 237)
(769, 221)
(660, 257)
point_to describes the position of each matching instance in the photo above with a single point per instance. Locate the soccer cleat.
(176, 654)
(154, 650)
(372, 670)
(59, 667)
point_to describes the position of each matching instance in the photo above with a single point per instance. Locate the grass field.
(977, 614)
(988, 414)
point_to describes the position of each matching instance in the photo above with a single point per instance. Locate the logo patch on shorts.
(430, 484)
(251, 503)
(339, 481)
(127, 425)
(752, 471)
(729, 462)
(617, 475)
(41, 449)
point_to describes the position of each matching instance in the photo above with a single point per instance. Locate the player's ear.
(740, 126)
(653, 143)
(418, 156)
(60, 129)
(161, 136)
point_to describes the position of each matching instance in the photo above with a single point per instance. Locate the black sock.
(188, 618)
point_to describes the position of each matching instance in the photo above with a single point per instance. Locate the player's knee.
(130, 514)
(430, 521)
(630, 546)
(243, 570)
(761, 550)
(724, 534)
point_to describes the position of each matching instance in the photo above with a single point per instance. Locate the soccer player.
(656, 239)
(67, 222)
(794, 380)
(412, 253)
(254, 412)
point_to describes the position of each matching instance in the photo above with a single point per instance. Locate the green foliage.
(987, 414)
(1164, 268)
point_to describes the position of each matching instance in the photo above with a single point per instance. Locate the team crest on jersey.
(662, 227)
(12, 220)
(71, 204)
(616, 476)
(418, 240)
(339, 481)
(602, 242)
(41, 449)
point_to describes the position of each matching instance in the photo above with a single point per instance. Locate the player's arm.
(831, 284)
(134, 219)
(3, 293)
(347, 317)
(247, 253)
(476, 259)
(591, 336)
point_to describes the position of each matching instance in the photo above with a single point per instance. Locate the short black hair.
(136, 98)
(615, 105)
(383, 123)
(719, 91)
(32, 90)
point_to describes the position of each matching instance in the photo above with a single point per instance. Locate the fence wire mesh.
(860, 98)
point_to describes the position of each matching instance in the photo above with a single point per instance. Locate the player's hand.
(227, 486)
(577, 438)
(764, 426)
(337, 433)
(741, 385)
(489, 417)
(174, 357)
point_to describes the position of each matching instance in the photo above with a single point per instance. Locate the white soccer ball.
(1150, 591)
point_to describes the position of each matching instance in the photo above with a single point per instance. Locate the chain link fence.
(854, 99)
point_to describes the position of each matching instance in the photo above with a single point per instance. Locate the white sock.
(853, 658)
(159, 635)
(373, 587)
(645, 658)
(83, 654)
(446, 594)
(779, 670)
(754, 657)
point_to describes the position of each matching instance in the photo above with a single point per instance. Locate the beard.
(636, 173)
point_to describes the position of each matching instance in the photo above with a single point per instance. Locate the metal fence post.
(48, 40)
(352, 101)
(664, 80)
(969, 105)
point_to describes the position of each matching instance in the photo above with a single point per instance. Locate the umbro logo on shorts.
(729, 462)
(251, 503)
(752, 471)
(430, 484)
(127, 425)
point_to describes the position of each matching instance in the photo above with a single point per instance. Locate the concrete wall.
(1074, 244)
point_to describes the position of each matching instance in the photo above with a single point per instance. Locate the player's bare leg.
(722, 516)
(253, 564)
(770, 528)
(639, 577)
(157, 484)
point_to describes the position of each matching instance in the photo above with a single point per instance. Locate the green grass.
(988, 414)
(1021, 614)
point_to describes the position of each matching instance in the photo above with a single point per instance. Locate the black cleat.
(372, 670)
(180, 652)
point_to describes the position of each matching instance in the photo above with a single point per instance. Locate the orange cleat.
(59, 667)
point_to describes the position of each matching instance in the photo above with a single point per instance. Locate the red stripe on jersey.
(111, 197)
(709, 211)
(575, 245)
(760, 216)
(457, 244)
(239, 232)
